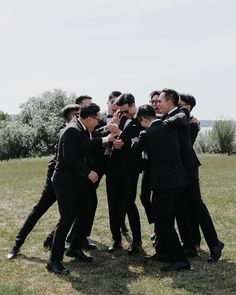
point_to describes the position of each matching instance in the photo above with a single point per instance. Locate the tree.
(4, 117)
(34, 131)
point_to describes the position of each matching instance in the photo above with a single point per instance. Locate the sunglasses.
(98, 119)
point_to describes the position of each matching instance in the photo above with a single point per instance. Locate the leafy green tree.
(34, 131)
(4, 118)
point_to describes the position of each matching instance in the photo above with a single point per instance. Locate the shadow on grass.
(115, 273)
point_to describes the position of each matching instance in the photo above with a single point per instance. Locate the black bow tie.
(109, 116)
(165, 116)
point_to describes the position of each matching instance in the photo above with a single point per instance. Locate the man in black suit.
(73, 179)
(189, 102)
(102, 154)
(122, 175)
(145, 194)
(179, 118)
(48, 195)
(167, 179)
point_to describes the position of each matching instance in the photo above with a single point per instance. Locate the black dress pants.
(72, 203)
(145, 196)
(121, 193)
(48, 197)
(199, 210)
(164, 205)
(93, 201)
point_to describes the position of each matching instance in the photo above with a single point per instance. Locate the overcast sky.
(96, 46)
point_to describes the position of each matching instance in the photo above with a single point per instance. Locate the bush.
(223, 136)
(34, 131)
(203, 144)
(221, 139)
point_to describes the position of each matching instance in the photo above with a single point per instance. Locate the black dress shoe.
(88, 245)
(176, 266)
(114, 247)
(79, 255)
(57, 267)
(158, 257)
(124, 230)
(47, 243)
(216, 252)
(192, 252)
(135, 247)
(12, 253)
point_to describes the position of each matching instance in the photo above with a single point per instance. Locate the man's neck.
(153, 120)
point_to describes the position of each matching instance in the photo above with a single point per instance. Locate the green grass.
(21, 182)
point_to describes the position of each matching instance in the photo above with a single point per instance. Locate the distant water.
(205, 129)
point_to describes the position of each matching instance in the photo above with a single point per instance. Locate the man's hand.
(134, 139)
(111, 137)
(194, 120)
(93, 176)
(118, 144)
(114, 129)
(117, 117)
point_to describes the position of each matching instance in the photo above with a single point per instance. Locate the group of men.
(156, 140)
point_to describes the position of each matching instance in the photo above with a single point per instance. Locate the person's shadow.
(114, 273)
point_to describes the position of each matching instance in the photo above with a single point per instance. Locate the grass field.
(21, 182)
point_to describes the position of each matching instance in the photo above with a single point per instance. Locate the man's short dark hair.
(171, 94)
(155, 92)
(146, 111)
(188, 99)
(89, 110)
(126, 98)
(69, 108)
(114, 94)
(81, 98)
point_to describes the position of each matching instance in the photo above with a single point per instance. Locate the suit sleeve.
(72, 153)
(179, 120)
(194, 129)
(139, 147)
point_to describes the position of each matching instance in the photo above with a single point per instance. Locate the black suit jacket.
(125, 157)
(161, 144)
(74, 161)
(179, 119)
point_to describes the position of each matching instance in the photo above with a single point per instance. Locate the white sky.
(94, 47)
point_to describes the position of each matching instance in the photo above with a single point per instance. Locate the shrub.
(223, 136)
(221, 139)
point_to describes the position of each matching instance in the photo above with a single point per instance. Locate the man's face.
(144, 122)
(184, 104)
(154, 104)
(92, 122)
(165, 105)
(111, 106)
(129, 111)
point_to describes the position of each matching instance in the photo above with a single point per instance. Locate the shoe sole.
(66, 272)
(79, 258)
